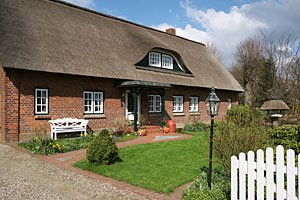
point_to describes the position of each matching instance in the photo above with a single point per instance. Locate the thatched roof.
(274, 105)
(54, 36)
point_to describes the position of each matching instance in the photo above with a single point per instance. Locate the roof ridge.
(120, 19)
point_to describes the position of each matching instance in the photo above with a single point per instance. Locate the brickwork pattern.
(66, 100)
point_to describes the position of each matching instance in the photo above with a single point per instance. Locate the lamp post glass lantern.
(212, 103)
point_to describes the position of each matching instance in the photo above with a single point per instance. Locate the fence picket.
(298, 172)
(251, 175)
(234, 180)
(242, 176)
(291, 193)
(263, 172)
(260, 174)
(280, 169)
(269, 174)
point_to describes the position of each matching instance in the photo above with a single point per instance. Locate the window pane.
(154, 59)
(167, 62)
(38, 93)
(38, 101)
(174, 103)
(38, 109)
(43, 100)
(158, 103)
(151, 103)
(44, 93)
(44, 108)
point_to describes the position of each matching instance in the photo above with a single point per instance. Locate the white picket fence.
(261, 180)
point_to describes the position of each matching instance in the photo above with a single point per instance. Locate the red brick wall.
(202, 94)
(66, 100)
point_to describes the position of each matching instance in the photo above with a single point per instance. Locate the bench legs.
(53, 135)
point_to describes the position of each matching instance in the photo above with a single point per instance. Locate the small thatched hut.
(273, 105)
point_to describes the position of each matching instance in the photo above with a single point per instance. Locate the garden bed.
(49, 146)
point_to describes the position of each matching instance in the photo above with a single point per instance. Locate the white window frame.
(41, 104)
(154, 103)
(178, 104)
(94, 104)
(194, 104)
(152, 59)
(164, 63)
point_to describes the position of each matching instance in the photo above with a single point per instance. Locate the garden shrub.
(121, 126)
(220, 187)
(287, 136)
(102, 149)
(246, 116)
(198, 127)
(242, 130)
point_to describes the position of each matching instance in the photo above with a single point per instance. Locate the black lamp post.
(212, 106)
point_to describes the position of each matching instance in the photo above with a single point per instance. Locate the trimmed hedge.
(287, 136)
(102, 149)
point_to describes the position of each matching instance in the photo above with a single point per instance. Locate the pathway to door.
(67, 159)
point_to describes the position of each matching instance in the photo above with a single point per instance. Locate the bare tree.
(285, 54)
(212, 47)
(248, 63)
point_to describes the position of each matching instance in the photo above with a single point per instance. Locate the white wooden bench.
(67, 125)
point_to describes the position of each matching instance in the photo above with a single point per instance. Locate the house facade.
(60, 60)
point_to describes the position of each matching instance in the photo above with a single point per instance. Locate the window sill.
(178, 114)
(94, 116)
(42, 117)
(194, 113)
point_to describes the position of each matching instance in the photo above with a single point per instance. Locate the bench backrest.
(68, 122)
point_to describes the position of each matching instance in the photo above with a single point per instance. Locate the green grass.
(161, 166)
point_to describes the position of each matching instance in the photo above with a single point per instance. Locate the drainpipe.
(19, 102)
(163, 107)
(134, 94)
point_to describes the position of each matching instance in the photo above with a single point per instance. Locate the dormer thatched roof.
(54, 36)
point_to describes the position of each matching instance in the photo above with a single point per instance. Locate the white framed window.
(92, 102)
(41, 100)
(154, 103)
(229, 103)
(154, 59)
(177, 103)
(167, 61)
(194, 104)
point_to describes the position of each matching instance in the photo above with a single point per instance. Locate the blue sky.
(222, 22)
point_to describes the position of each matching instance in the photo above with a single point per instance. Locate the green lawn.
(161, 166)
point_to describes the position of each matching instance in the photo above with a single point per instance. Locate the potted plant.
(166, 129)
(142, 130)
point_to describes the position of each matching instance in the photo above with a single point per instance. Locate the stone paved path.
(65, 188)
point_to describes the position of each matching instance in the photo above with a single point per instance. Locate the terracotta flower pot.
(142, 132)
(166, 129)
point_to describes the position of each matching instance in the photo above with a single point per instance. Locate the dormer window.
(167, 61)
(160, 60)
(154, 59)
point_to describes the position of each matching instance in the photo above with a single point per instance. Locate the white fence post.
(270, 169)
(251, 175)
(263, 173)
(234, 179)
(280, 170)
